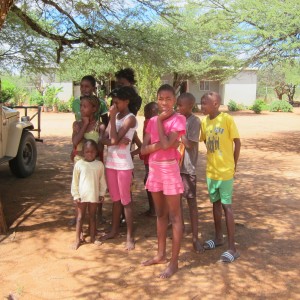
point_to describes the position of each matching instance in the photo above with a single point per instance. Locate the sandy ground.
(36, 261)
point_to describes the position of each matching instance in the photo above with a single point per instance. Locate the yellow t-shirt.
(218, 135)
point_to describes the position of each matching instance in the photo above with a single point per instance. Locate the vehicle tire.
(23, 164)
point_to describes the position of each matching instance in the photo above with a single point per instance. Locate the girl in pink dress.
(164, 182)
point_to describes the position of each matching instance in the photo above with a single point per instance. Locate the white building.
(241, 88)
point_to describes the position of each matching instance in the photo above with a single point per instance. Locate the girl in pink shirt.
(164, 180)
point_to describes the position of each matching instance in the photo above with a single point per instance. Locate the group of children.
(170, 153)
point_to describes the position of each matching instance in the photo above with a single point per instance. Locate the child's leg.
(129, 222)
(192, 203)
(151, 211)
(174, 208)
(100, 217)
(230, 226)
(116, 214)
(217, 212)
(92, 220)
(81, 208)
(162, 214)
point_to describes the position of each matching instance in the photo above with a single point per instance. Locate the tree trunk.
(5, 5)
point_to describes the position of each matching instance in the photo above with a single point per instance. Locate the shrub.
(233, 106)
(7, 91)
(63, 106)
(36, 98)
(258, 106)
(281, 105)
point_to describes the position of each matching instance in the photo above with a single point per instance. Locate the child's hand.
(101, 199)
(85, 120)
(165, 115)
(124, 141)
(113, 110)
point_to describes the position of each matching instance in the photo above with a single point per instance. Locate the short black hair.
(210, 95)
(187, 96)
(90, 79)
(90, 143)
(150, 106)
(166, 87)
(126, 73)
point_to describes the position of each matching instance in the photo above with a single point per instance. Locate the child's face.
(166, 101)
(151, 112)
(89, 153)
(87, 109)
(208, 106)
(121, 105)
(123, 82)
(86, 88)
(184, 106)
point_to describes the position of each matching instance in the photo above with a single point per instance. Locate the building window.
(204, 86)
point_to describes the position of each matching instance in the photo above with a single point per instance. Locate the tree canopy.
(202, 39)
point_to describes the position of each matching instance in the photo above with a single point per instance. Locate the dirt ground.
(36, 261)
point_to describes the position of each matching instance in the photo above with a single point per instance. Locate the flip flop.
(210, 244)
(228, 257)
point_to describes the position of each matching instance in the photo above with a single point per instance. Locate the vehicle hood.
(9, 112)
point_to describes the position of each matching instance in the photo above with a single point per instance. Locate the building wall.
(241, 88)
(194, 88)
(67, 90)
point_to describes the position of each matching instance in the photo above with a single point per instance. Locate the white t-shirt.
(88, 182)
(118, 156)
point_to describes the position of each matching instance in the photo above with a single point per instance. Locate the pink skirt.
(164, 176)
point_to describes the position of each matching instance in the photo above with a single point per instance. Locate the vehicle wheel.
(23, 164)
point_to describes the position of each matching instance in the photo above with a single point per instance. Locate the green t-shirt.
(76, 109)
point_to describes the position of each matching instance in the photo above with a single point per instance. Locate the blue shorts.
(220, 190)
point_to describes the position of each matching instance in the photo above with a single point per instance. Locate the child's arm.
(148, 148)
(117, 136)
(75, 184)
(166, 141)
(103, 185)
(138, 143)
(236, 153)
(187, 143)
(78, 132)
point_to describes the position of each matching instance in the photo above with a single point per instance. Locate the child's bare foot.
(108, 236)
(130, 245)
(169, 271)
(76, 245)
(155, 261)
(97, 243)
(197, 246)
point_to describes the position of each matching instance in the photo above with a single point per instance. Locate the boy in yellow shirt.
(223, 144)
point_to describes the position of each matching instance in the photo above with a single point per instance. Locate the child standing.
(164, 182)
(87, 128)
(119, 165)
(88, 189)
(88, 88)
(190, 143)
(221, 137)
(150, 110)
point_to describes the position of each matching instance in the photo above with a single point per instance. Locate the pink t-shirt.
(176, 123)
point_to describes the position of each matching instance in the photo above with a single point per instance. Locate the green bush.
(7, 91)
(63, 106)
(233, 106)
(70, 103)
(281, 105)
(259, 105)
(36, 98)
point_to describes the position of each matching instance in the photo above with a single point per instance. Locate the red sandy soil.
(36, 261)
